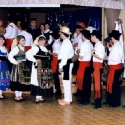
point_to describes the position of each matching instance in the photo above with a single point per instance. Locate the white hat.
(35, 43)
(65, 30)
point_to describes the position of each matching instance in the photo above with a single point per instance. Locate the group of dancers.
(37, 69)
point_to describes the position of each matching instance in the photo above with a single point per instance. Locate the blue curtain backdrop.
(71, 18)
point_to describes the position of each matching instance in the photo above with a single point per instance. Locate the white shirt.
(13, 53)
(33, 51)
(90, 28)
(50, 37)
(28, 37)
(99, 51)
(77, 39)
(11, 31)
(56, 46)
(116, 54)
(85, 51)
(66, 52)
(4, 50)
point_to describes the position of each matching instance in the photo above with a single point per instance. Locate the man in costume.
(11, 33)
(83, 78)
(115, 69)
(65, 65)
(98, 54)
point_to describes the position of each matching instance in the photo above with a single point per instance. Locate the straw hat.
(65, 30)
(36, 40)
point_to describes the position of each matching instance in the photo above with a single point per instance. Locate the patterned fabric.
(21, 73)
(4, 74)
(45, 76)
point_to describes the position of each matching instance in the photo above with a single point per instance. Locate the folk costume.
(98, 67)
(11, 33)
(4, 71)
(83, 77)
(20, 75)
(65, 63)
(47, 34)
(115, 70)
(41, 75)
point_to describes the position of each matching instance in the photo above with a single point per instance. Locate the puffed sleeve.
(30, 53)
(13, 53)
(8, 33)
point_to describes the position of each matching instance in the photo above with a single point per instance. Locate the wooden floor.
(51, 113)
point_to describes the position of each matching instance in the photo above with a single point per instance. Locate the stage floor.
(51, 113)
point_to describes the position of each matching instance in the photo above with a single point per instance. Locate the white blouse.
(3, 49)
(13, 53)
(33, 51)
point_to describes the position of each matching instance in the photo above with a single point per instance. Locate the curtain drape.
(116, 4)
(111, 15)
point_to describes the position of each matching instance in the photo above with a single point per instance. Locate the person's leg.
(17, 96)
(67, 88)
(1, 96)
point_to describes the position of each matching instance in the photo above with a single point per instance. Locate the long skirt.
(44, 76)
(4, 76)
(20, 77)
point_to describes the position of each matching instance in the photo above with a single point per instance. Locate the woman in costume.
(20, 74)
(4, 72)
(41, 76)
(47, 34)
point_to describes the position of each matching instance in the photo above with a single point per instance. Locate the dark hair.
(86, 34)
(32, 19)
(10, 19)
(115, 34)
(55, 34)
(42, 38)
(97, 34)
(41, 24)
(2, 36)
(23, 26)
(66, 35)
(19, 37)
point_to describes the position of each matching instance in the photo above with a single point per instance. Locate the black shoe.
(3, 98)
(42, 101)
(92, 103)
(105, 103)
(87, 101)
(79, 100)
(114, 105)
(23, 99)
(97, 106)
(17, 100)
(37, 102)
(81, 103)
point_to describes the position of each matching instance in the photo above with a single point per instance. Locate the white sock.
(0, 92)
(20, 93)
(16, 93)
